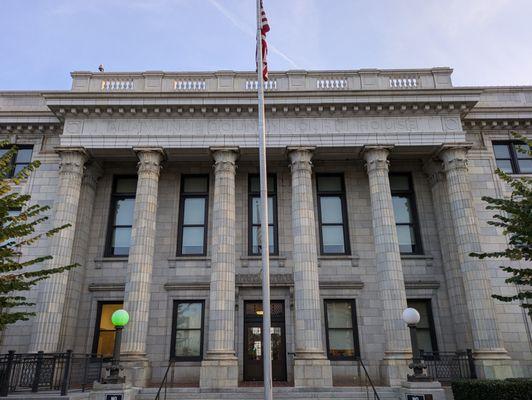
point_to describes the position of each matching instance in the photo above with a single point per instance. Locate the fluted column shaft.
(387, 254)
(474, 271)
(451, 265)
(219, 369)
(140, 261)
(222, 290)
(311, 366)
(49, 310)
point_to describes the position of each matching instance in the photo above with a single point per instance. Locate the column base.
(219, 371)
(423, 388)
(137, 370)
(496, 364)
(394, 367)
(312, 370)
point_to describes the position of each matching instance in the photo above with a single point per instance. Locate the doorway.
(253, 361)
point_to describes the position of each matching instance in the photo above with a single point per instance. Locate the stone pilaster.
(219, 368)
(76, 276)
(140, 264)
(451, 265)
(311, 366)
(397, 348)
(52, 291)
(492, 358)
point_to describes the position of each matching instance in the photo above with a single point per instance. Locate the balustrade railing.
(40, 371)
(446, 366)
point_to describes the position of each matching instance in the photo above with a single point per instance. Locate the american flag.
(264, 29)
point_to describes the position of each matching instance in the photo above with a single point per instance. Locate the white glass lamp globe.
(411, 316)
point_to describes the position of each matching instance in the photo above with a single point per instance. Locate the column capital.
(454, 156)
(72, 159)
(150, 159)
(224, 158)
(433, 168)
(376, 157)
(300, 157)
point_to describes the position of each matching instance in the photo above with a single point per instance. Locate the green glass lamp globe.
(120, 318)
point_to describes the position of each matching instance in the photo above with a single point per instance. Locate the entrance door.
(253, 351)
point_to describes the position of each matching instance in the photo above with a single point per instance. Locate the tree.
(514, 216)
(19, 222)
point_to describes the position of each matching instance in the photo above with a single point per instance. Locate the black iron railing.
(446, 366)
(48, 371)
(164, 383)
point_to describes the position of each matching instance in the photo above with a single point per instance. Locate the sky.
(487, 42)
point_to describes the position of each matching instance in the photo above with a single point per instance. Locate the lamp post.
(119, 319)
(411, 317)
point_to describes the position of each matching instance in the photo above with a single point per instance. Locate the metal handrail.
(375, 394)
(164, 382)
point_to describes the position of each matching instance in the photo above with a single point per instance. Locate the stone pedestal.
(219, 368)
(140, 265)
(102, 391)
(52, 293)
(311, 366)
(488, 349)
(422, 389)
(397, 347)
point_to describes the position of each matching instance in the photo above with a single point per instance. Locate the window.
(334, 238)
(192, 236)
(254, 214)
(425, 332)
(104, 334)
(404, 209)
(187, 332)
(341, 327)
(20, 160)
(10, 213)
(510, 159)
(121, 216)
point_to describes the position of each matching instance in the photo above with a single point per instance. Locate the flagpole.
(265, 245)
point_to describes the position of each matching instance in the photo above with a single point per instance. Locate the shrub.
(491, 389)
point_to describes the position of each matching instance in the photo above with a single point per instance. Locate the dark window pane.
(341, 343)
(3, 152)
(401, 209)
(399, 182)
(405, 234)
(256, 208)
(424, 340)
(124, 212)
(189, 315)
(255, 233)
(333, 239)
(18, 168)
(107, 312)
(254, 184)
(331, 210)
(192, 240)
(126, 185)
(329, 183)
(501, 151)
(106, 343)
(188, 343)
(339, 314)
(24, 156)
(522, 151)
(194, 211)
(120, 241)
(195, 184)
(505, 165)
(525, 166)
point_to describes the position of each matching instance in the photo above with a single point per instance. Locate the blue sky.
(487, 42)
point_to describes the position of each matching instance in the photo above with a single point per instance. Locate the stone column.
(451, 266)
(397, 347)
(76, 276)
(49, 310)
(140, 265)
(492, 358)
(311, 366)
(219, 368)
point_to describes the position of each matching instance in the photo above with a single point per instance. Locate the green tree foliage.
(514, 216)
(19, 222)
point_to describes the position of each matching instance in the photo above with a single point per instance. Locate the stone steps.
(255, 393)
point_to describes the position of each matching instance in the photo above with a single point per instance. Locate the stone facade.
(151, 126)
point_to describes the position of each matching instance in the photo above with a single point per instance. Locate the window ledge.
(107, 260)
(254, 261)
(260, 257)
(204, 261)
(338, 257)
(416, 257)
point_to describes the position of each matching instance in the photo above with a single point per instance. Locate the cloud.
(249, 30)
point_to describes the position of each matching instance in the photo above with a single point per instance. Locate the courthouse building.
(375, 185)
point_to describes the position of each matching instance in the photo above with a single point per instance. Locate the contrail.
(250, 32)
